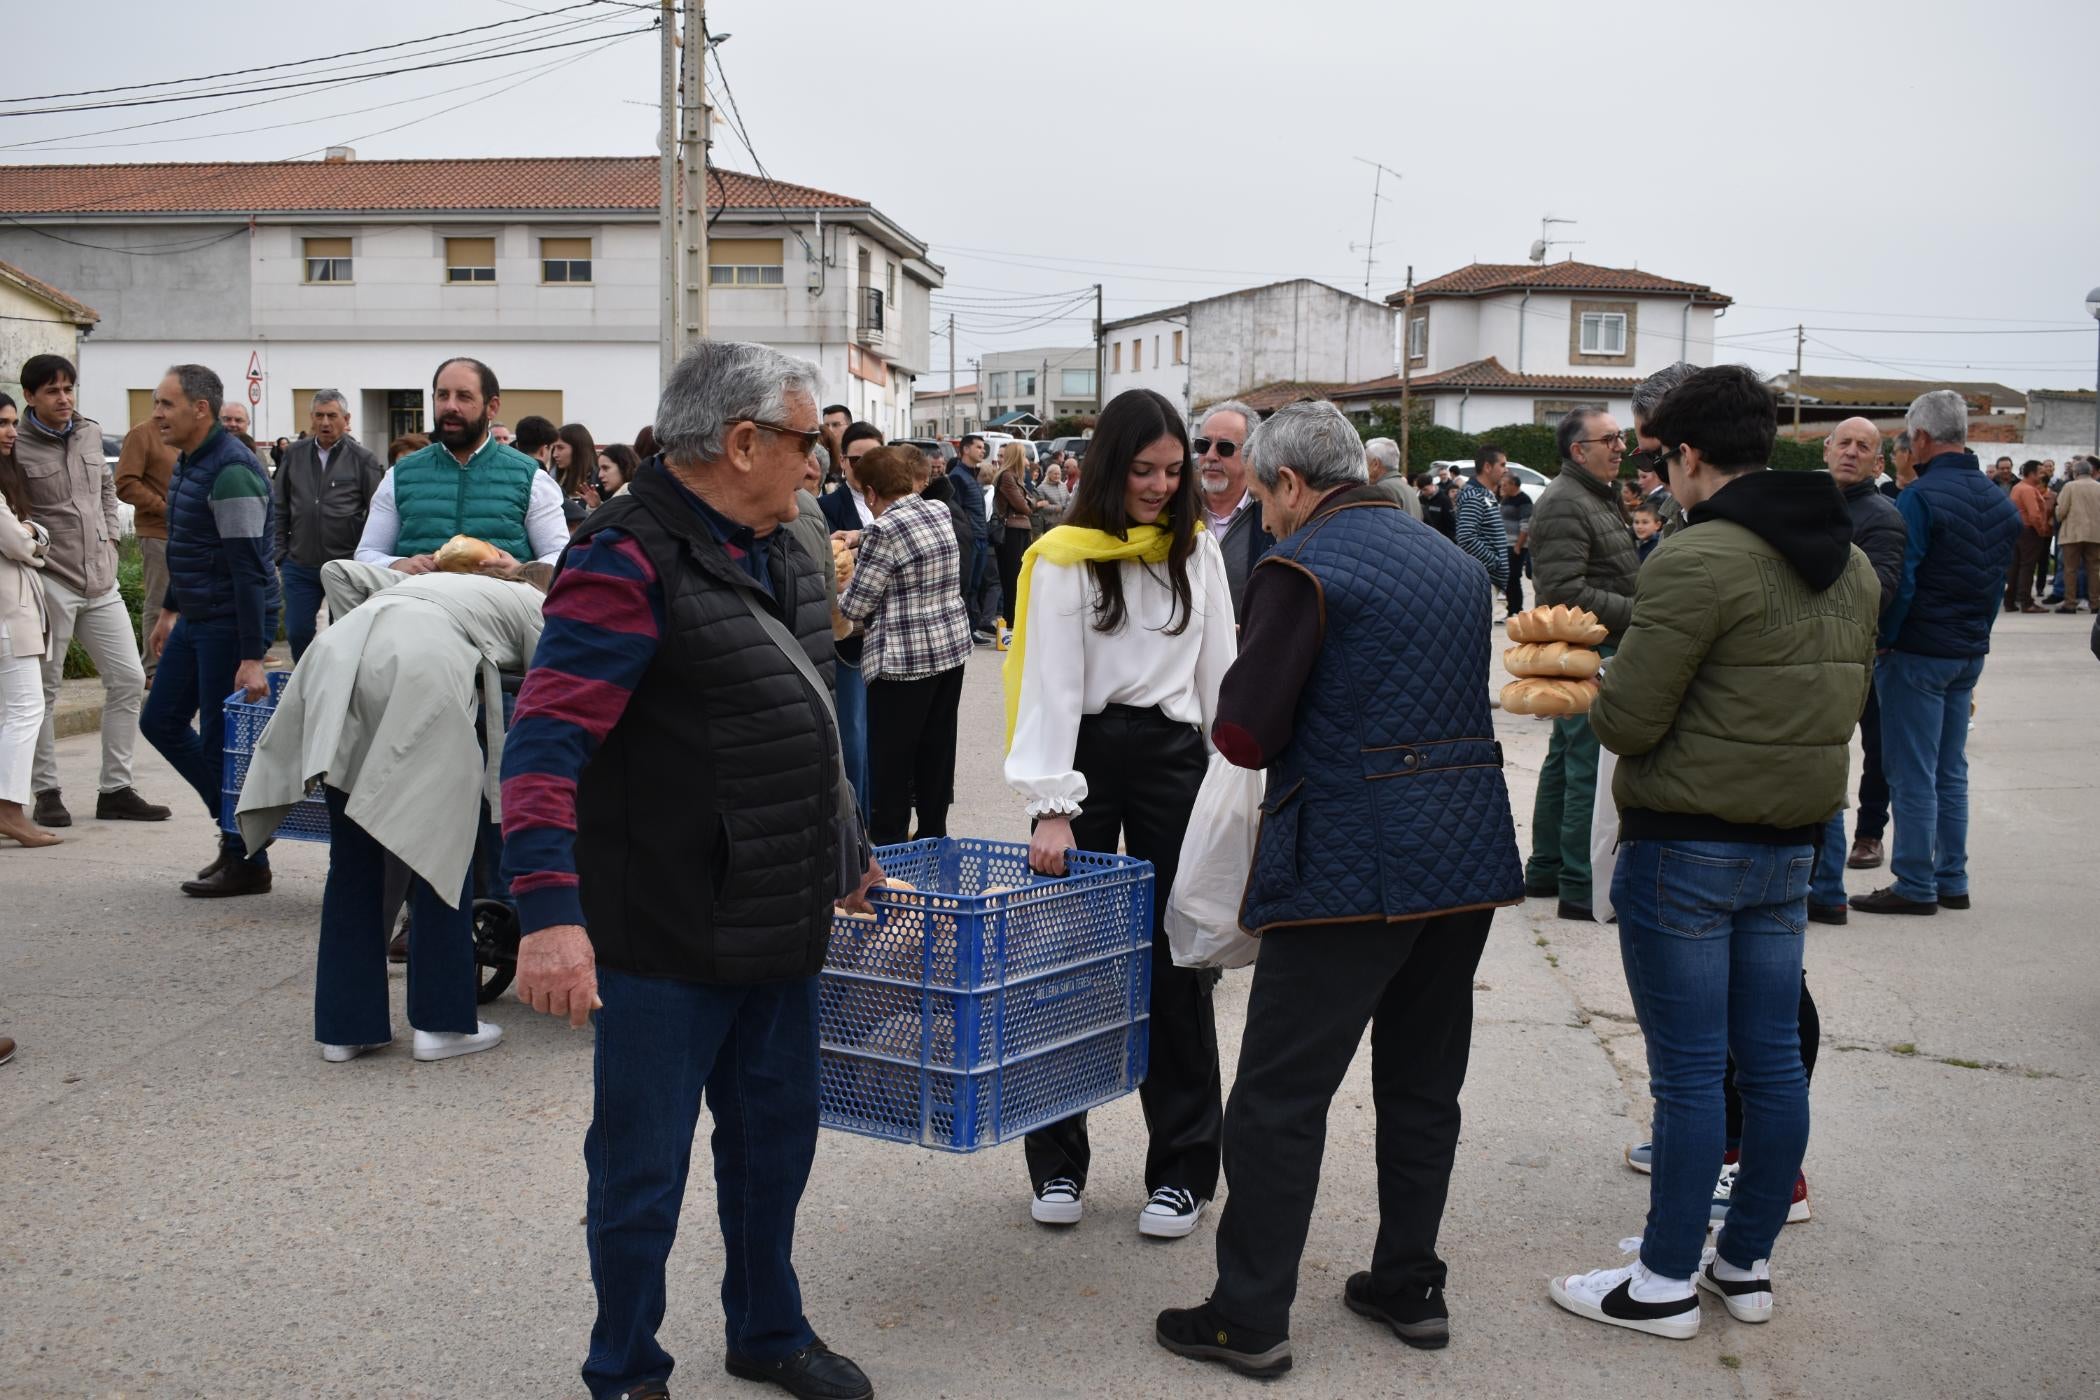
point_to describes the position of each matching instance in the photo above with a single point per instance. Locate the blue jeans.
(753, 1051)
(1711, 936)
(302, 603)
(1925, 751)
(185, 714)
(853, 730)
(1827, 888)
(350, 999)
(978, 558)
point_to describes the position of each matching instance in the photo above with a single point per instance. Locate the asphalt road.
(193, 1203)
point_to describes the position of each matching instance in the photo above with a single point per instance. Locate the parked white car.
(1532, 483)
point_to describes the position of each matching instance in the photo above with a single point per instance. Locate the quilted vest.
(704, 837)
(1389, 802)
(1970, 546)
(487, 499)
(200, 578)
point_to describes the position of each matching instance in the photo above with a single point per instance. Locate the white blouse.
(1070, 669)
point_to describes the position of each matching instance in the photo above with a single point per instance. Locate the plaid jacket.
(905, 591)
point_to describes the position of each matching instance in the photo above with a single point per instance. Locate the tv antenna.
(1370, 247)
(1547, 240)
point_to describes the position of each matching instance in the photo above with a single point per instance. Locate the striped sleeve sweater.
(605, 618)
(1481, 532)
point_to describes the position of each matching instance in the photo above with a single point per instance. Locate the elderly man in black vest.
(1231, 511)
(677, 825)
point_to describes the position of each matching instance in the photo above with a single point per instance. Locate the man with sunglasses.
(1230, 512)
(1583, 555)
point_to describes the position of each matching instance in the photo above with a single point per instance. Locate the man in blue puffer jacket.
(220, 612)
(1934, 637)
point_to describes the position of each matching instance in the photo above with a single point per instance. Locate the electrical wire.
(743, 136)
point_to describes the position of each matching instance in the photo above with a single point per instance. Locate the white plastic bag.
(1604, 838)
(1203, 911)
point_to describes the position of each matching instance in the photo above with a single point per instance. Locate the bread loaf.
(1558, 623)
(1535, 695)
(463, 554)
(1558, 660)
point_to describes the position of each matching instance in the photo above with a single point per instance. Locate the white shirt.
(1221, 523)
(1069, 669)
(545, 526)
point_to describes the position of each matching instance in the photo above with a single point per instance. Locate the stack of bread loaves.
(1554, 661)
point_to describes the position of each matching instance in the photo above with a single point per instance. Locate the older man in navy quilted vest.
(1386, 845)
(1934, 636)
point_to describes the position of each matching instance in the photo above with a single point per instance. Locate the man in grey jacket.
(1582, 554)
(1230, 511)
(324, 490)
(74, 497)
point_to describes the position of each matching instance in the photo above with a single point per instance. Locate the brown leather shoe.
(51, 809)
(125, 805)
(1866, 854)
(7, 1049)
(235, 877)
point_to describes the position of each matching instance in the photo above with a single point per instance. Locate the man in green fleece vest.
(464, 483)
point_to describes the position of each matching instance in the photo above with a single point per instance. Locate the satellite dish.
(1538, 250)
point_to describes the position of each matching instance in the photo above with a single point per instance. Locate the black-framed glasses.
(1607, 439)
(810, 437)
(1226, 446)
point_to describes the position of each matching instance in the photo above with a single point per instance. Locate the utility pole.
(1800, 334)
(1100, 357)
(667, 193)
(1407, 379)
(948, 408)
(693, 137)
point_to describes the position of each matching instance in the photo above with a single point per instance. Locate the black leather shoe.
(234, 877)
(1827, 913)
(1421, 1321)
(51, 809)
(1580, 913)
(1954, 901)
(1541, 891)
(1889, 902)
(1201, 1335)
(814, 1373)
(218, 863)
(125, 805)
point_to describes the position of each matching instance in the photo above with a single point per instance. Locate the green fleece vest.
(437, 499)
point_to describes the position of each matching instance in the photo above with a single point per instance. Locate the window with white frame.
(744, 262)
(997, 388)
(470, 260)
(327, 259)
(1024, 383)
(1075, 381)
(1603, 333)
(1418, 338)
(566, 260)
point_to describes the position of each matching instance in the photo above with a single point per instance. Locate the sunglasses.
(1226, 447)
(809, 437)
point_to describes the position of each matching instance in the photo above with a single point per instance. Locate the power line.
(743, 136)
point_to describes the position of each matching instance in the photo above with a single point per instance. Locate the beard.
(456, 432)
(1216, 485)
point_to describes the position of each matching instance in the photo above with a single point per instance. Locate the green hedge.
(1529, 443)
(131, 582)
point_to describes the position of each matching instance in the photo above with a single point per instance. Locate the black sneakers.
(1418, 1319)
(1201, 1335)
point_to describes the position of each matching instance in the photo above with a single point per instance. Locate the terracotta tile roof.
(379, 186)
(1486, 279)
(1488, 376)
(1270, 397)
(79, 312)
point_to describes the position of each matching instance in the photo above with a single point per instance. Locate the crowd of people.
(754, 625)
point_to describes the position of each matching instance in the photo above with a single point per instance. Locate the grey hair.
(334, 396)
(1247, 415)
(199, 382)
(1385, 452)
(2082, 467)
(1650, 391)
(1942, 415)
(1314, 440)
(722, 382)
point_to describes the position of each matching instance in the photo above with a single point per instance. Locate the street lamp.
(2092, 305)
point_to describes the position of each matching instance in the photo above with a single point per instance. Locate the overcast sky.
(1918, 182)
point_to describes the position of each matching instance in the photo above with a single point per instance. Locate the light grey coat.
(383, 706)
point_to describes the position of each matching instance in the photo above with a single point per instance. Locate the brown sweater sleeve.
(1282, 628)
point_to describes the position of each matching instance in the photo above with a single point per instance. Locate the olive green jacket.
(1582, 549)
(1735, 690)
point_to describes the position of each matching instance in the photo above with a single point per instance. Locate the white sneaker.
(446, 1045)
(343, 1054)
(1606, 1295)
(1170, 1214)
(1056, 1202)
(1748, 1300)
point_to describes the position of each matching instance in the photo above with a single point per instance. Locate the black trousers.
(1872, 818)
(1010, 551)
(911, 755)
(1513, 590)
(1315, 989)
(1811, 1040)
(1142, 774)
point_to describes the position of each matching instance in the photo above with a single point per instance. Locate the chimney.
(339, 155)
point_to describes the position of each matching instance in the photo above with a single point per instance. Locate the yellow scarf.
(1069, 545)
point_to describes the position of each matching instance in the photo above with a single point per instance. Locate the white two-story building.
(364, 275)
(1499, 343)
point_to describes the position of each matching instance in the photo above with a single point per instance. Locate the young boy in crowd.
(1647, 528)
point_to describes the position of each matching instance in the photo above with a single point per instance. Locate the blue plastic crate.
(959, 1019)
(245, 721)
